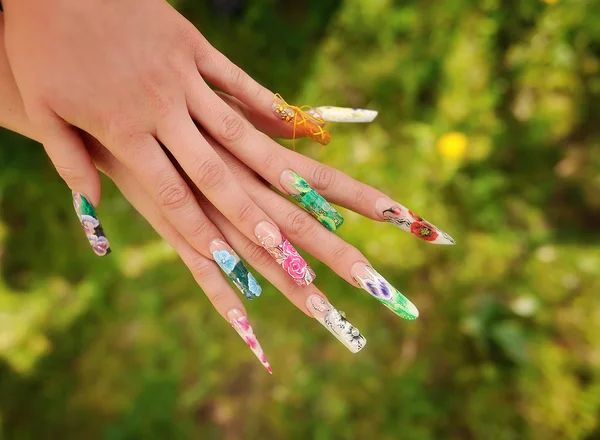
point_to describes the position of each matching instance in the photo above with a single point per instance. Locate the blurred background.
(488, 126)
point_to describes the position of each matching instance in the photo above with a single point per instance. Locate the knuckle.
(232, 127)
(340, 252)
(210, 173)
(173, 194)
(246, 212)
(71, 175)
(202, 228)
(360, 196)
(272, 162)
(323, 177)
(238, 80)
(122, 129)
(219, 297)
(300, 223)
(201, 268)
(256, 255)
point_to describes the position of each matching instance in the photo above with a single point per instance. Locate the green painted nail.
(311, 200)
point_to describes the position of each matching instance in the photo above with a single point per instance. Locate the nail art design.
(91, 225)
(311, 200)
(343, 114)
(334, 321)
(311, 125)
(241, 325)
(229, 261)
(403, 218)
(371, 281)
(284, 253)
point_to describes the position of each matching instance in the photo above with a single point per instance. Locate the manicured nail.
(234, 268)
(309, 124)
(403, 218)
(334, 321)
(284, 253)
(311, 200)
(343, 114)
(371, 281)
(91, 225)
(240, 323)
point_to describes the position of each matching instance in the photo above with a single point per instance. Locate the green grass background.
(508, 342)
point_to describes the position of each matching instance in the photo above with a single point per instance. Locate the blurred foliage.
(488, 127)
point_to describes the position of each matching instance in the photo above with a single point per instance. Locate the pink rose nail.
(284, 253)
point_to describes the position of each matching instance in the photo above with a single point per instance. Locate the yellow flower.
(550, 2)
(452, 145)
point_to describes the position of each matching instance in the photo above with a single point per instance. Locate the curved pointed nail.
(402, 217)
(371, 281)
(240, 323)
(91, 224)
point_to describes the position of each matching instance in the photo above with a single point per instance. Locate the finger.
(343, 258)
(341, 189)
(214, 179)
(310, 299)
(258, 152)
(151, 167)
(73, 163)
(205, 271)
(222, 73)
(347, 261)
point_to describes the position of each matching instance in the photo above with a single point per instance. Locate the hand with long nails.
(133, 74)
(269, 251)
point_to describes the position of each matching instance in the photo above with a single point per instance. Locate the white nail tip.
(345, 114)
(336, 323)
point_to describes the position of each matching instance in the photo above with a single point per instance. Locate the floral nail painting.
(242, 326)
(230, 263)
(334, 321)
(309, 124)
(343, 114)
(311, 200)
(406, 220)
(284, 253)
(371, 281)
(91, 225)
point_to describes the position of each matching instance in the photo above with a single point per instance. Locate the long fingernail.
(240, 323)
(371, 281)
(336, 323)
(310, 124)
(311, 200)
(234, 268)
(406, 220)
(284, 253)
(91, 225)
(344, 114)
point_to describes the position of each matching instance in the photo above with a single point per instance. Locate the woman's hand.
(128, 73)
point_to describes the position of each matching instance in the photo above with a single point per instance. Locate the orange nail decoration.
(312, 125)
